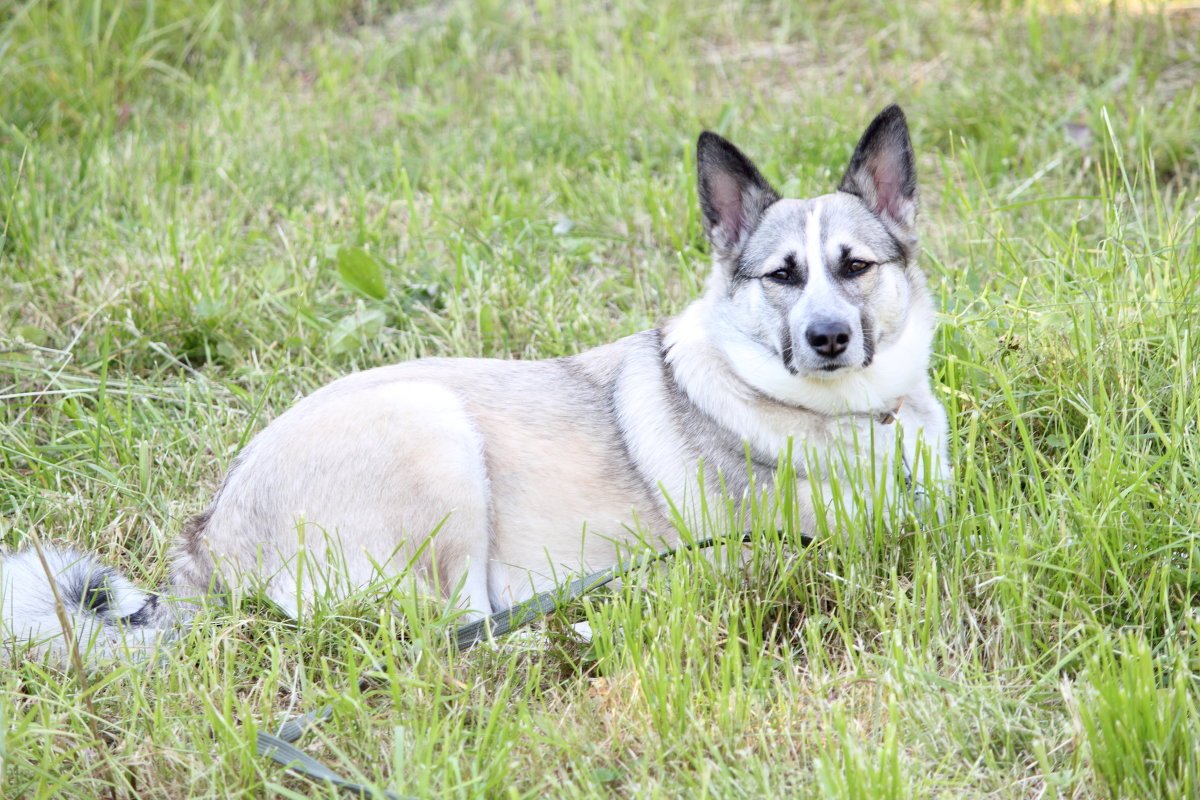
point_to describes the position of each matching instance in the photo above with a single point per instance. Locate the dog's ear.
(733, 193)
(882, 171)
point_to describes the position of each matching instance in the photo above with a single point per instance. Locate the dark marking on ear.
(883, 172)
(733, 193)
(899, 252)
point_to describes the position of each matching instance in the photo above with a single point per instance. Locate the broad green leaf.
(353, 330)
(362, 272)
(487, 321)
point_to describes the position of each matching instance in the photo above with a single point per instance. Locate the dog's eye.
(783, 276)
(856, 266)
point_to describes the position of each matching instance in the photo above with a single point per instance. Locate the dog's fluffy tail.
(107, 614)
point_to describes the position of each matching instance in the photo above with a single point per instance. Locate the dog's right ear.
(733, 193)
(882, 171)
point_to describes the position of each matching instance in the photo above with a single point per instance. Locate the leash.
(279, 748)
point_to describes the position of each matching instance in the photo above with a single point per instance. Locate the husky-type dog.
(494, 479)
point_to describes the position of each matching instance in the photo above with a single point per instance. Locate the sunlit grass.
(183, 186)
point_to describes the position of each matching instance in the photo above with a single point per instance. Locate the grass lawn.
(209, 209)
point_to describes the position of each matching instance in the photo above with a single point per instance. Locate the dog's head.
(819, 286)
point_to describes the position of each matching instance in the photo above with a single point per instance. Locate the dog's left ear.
(882, 170)
(733, 193)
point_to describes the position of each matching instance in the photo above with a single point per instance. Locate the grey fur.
(500, 477)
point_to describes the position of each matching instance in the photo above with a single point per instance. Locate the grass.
(195, 199)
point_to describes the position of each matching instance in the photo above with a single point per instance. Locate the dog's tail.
(107, 615)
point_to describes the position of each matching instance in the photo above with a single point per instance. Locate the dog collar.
(888, 417)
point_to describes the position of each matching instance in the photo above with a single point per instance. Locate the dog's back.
(447, 468)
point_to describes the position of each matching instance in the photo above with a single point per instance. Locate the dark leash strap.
(279, 748)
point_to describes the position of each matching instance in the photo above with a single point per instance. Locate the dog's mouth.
(837, 367)
(832, 371)
(820, 372)
(827, 369)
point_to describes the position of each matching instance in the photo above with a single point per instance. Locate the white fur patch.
(894, 372)
(817, 278)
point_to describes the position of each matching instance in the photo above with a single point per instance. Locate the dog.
(485, 481)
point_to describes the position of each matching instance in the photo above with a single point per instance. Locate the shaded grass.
(177, 179)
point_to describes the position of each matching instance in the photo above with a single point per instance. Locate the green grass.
(177, 181)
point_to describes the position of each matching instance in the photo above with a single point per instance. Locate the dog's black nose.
(829, 339)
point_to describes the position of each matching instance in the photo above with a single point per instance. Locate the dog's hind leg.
(365, 480)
